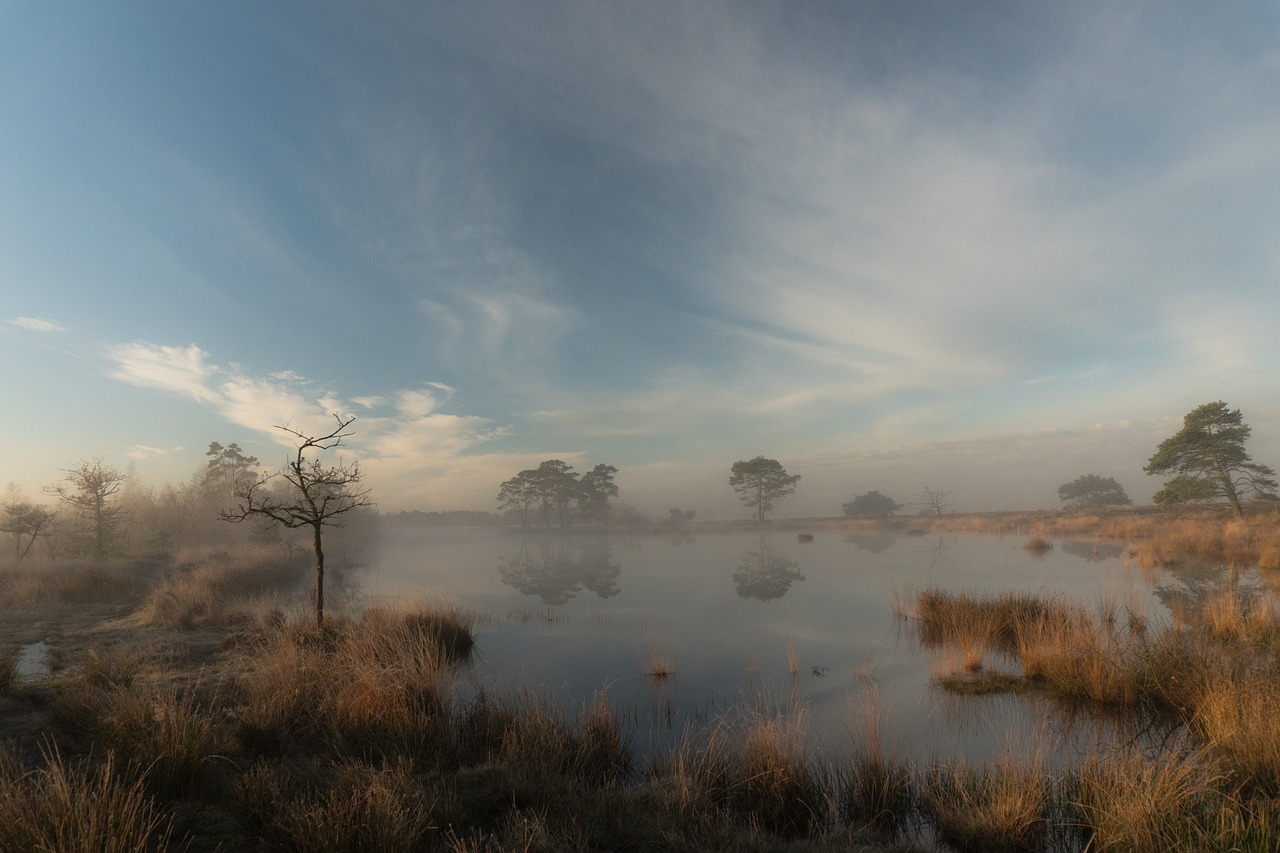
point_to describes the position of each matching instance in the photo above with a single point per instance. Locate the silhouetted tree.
(1093, 490)
(933, 501)
(519, 494)
(1208, 459)
(315, 495)
(89, 491)
(596, 487)
(761, 483)
(227, 472)
(557, 487)
(871, 505)
(24, 518)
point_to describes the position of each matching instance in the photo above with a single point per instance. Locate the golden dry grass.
(1000, 807)
(77, 807)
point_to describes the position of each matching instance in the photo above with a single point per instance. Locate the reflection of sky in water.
(568, 615)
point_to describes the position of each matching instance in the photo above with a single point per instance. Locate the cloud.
(142, 451)
(36, 324)
(181, 370)
(398, 448)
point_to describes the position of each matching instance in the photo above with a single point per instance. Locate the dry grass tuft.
(77, 807)
(221, 588)
(380, 684)
(1003, 807)
(349, 806)
(1038, 545)
(1132, 803)
(658, 662)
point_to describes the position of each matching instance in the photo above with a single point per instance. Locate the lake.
(741, 620)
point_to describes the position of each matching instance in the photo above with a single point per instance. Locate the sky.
(987, 247)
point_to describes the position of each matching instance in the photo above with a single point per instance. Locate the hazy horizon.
(982, 247)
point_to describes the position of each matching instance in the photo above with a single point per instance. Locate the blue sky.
(985, 246)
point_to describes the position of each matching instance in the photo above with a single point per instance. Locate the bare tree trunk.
(319, 578)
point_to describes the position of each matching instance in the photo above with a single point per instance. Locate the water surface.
(744, 620)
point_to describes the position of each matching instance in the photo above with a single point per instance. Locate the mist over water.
(744, 620)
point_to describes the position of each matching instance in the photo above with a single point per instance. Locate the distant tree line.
(447, 518)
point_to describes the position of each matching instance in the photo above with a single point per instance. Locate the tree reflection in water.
(873, 541)
(556, 570)
(765, 574)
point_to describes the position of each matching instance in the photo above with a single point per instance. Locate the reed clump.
(753, 771)
(1001, 807)
(1128, 802)
(378, 684)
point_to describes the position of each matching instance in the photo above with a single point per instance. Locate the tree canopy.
(1209, 462)
(761, 483)
(1093, 490)
(871, 505)
(556, 488)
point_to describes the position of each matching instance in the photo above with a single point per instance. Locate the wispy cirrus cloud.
(143, 451)
(36, 324)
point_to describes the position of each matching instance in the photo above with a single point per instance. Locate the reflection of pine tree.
(599, 573)
(765, 574)
(555, 574)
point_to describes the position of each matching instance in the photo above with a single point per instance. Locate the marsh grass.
(173, 741)
(658, 662)
(874, 789)
(348, 806)
(379, 685)
(755, 770)
(221, 588)
(1000, 807)
(1128, 802)
(1237, 716)
(9, 657)
(71, 583)
(1038, 546)
(77, 806)
(361, 736)
(113, 666)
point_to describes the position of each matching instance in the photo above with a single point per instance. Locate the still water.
(742, 620)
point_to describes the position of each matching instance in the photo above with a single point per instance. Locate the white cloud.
(398, 451)
(36, 324)
(142, 451)
(181, 370)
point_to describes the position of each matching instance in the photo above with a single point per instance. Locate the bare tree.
(88, 490)
(316, 495)
(933, 501)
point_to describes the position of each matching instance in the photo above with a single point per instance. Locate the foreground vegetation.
(209, 713)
